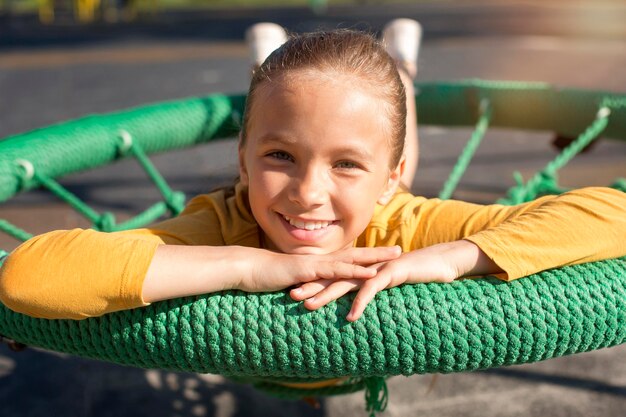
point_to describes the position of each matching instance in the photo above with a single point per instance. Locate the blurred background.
(63, 59)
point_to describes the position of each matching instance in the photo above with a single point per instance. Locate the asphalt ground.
(52, 74)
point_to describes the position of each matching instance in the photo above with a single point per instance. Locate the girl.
(318, 206)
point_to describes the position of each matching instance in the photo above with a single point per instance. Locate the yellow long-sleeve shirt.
(83, 273)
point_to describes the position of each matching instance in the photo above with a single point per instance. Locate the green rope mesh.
(14, 231)
(545, 181)
(268, 339)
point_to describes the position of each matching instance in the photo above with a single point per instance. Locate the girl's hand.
(208, 269)
(439, 263)
(270, 271)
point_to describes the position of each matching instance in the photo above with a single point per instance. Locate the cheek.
(359, 200)
(265, 186)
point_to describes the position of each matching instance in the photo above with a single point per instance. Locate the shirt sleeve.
(84, 273)
(578, 226)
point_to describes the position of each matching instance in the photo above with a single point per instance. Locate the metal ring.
(603, 112)
(127, 141)
(29, 169)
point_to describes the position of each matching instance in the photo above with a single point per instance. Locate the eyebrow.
(276, 138)
(357, 152)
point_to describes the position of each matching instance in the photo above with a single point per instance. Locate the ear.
(243, 170)
(392, 183)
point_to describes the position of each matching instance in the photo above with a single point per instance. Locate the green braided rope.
(94, 141)
(468, 152)
(427, 328)
(75, 202)
(175, 201)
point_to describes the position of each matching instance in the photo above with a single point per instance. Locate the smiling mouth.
(307, 225)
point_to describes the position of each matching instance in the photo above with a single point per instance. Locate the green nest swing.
(268, 339)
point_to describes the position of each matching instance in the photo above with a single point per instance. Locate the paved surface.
(53, 74)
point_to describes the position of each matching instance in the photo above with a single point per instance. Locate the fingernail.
(297, 290)
(307, 304)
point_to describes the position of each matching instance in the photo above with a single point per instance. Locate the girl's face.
(316, 161)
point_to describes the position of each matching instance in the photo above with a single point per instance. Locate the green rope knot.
(376, 395)
(517, 193)
(544, 184)
(619, 184)
(176, 202)
(105, 222)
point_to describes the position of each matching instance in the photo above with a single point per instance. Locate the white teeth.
(307, 225)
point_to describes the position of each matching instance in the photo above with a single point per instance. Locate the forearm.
(177, 271)
(445, 262)
(469, 259)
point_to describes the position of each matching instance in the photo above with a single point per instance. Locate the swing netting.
(268, 339)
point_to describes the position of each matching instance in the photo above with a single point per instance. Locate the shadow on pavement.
(54, 384)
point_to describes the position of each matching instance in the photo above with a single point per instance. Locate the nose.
(309, 188)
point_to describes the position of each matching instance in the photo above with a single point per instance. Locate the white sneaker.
(263, 39)
(402, 38)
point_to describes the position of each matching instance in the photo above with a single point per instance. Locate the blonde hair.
(344, 51)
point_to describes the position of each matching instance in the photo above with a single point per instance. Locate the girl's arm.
(177, 271)
(454, 239)
(77, 273)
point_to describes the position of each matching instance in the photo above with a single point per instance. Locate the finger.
(368, 291)
(309, 289)
(344, 270)
(334, 291)
(368, 256)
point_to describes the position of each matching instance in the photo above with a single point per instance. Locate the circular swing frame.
(268, 338)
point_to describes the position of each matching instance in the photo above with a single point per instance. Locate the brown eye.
(346, 165)
(280, 155)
